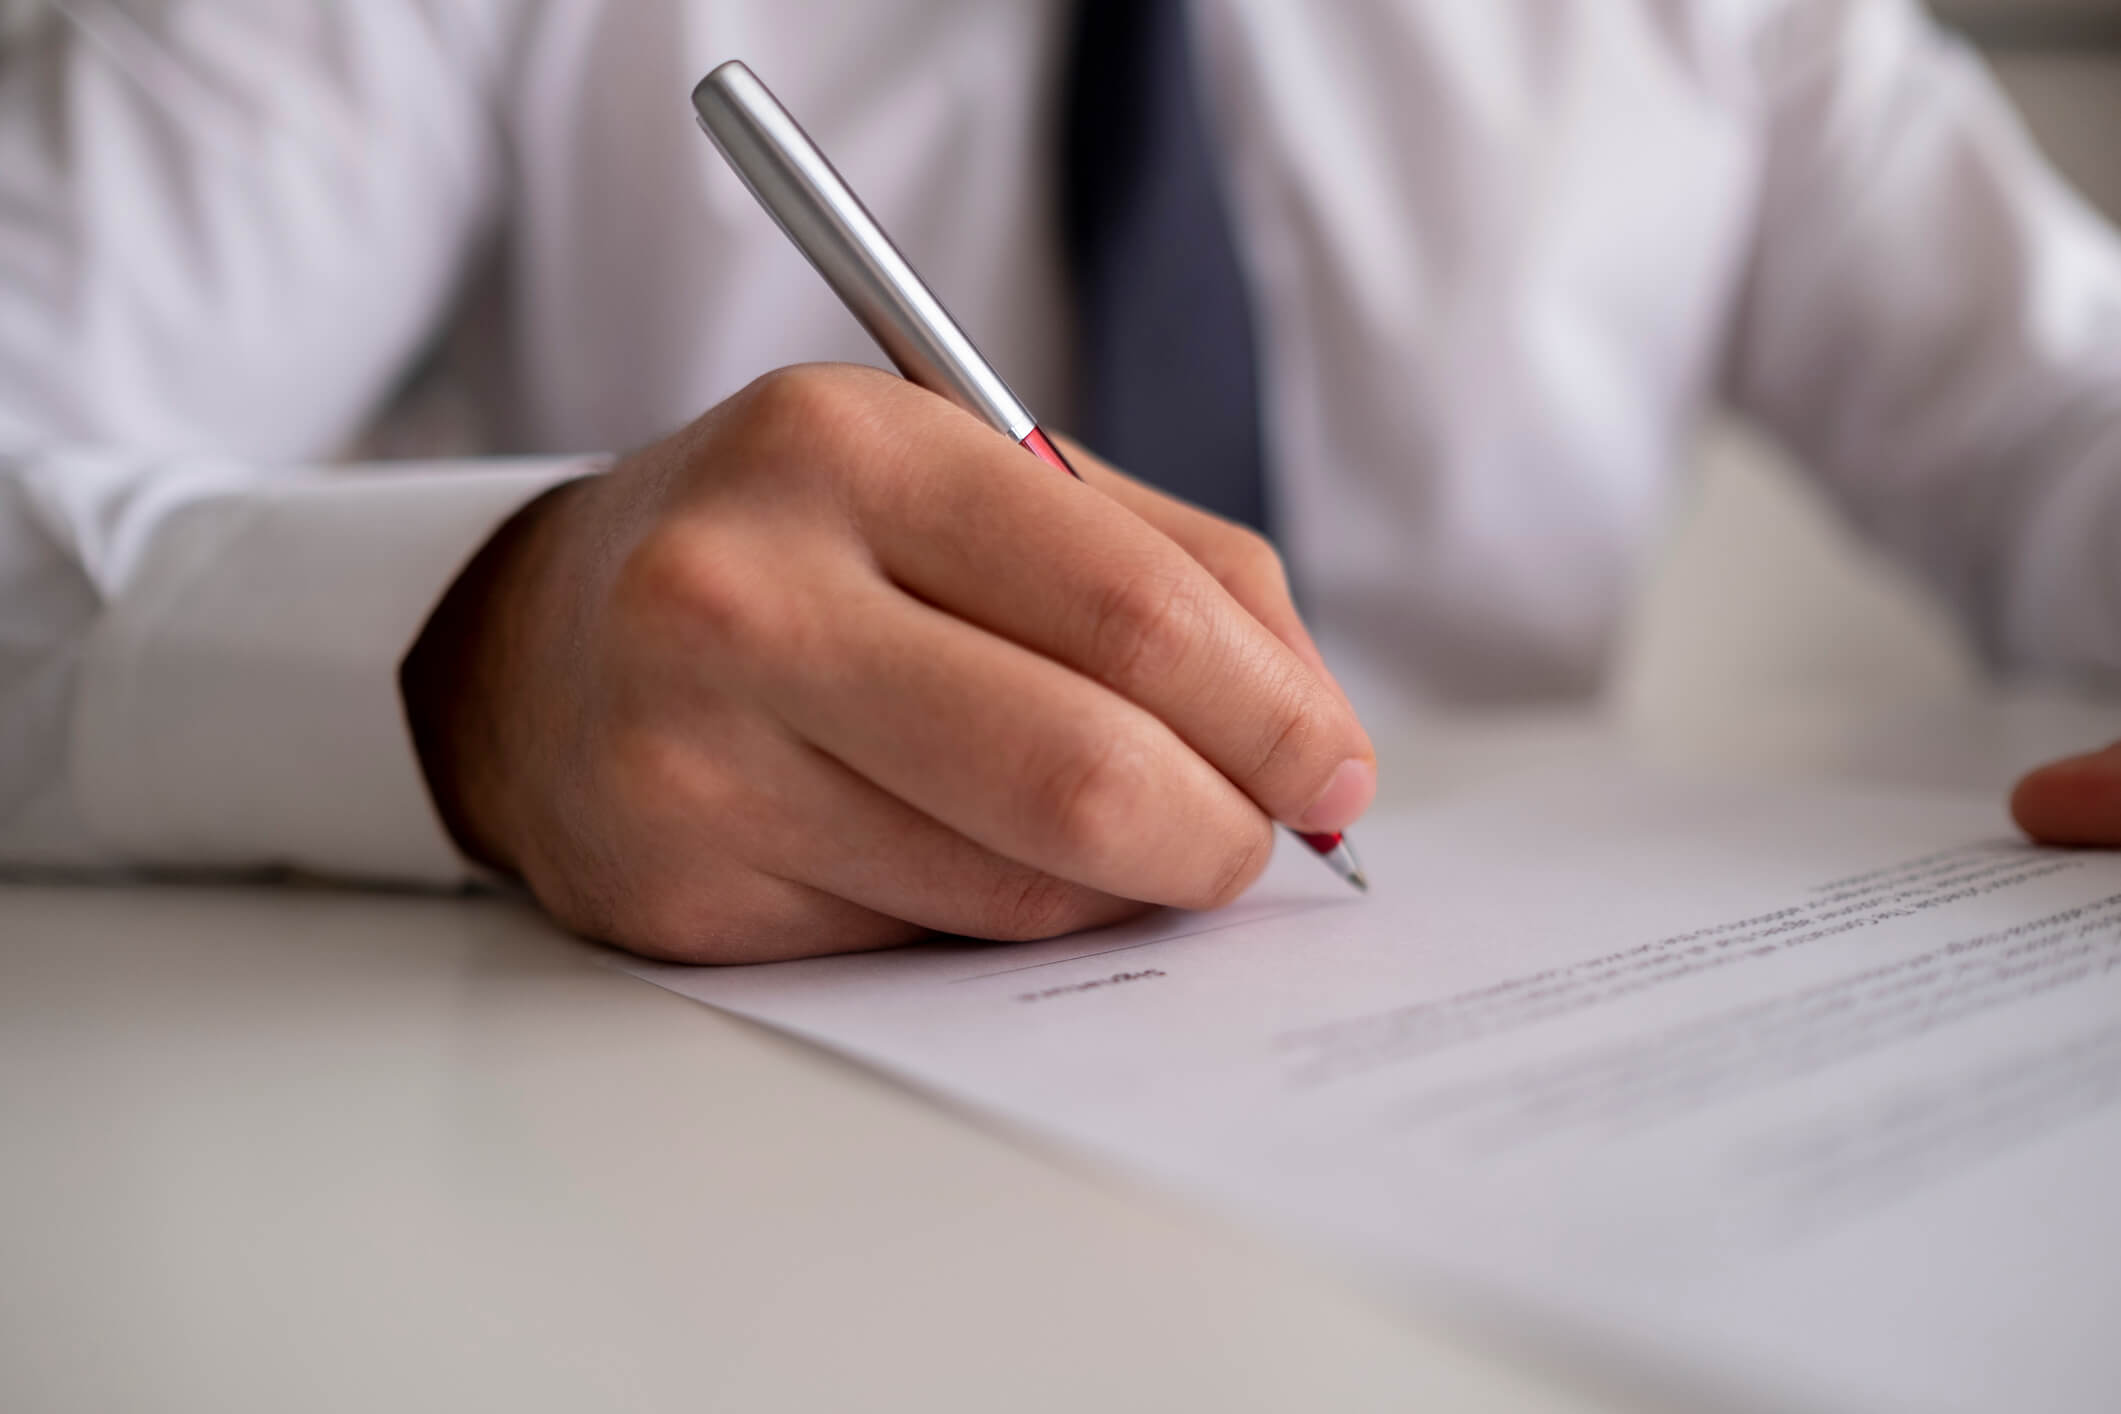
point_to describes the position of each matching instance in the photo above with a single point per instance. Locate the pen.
(815, 208)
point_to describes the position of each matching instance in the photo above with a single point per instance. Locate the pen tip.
(1341, 859)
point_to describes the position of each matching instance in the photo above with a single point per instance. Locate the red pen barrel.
(1036, 444)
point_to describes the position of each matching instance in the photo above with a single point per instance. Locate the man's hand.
(837, 665)
(2074, 802)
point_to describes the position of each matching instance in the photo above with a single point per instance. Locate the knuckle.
(1239, 866)
(645, 772)
(1253, 556)
(1089, 799)
(1290, 734)
(1243, 559)
(690, 582)
(834, 438)
(1142, 627)
(804, 396)
(814, 420)
(1032, 905)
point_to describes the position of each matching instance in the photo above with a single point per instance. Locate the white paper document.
(1779, 1097)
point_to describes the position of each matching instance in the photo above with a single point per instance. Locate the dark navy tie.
(1167, 383)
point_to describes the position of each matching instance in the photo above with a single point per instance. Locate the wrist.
(466, 723)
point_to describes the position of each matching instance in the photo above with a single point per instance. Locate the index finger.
(1242, 560)
(1056, 566)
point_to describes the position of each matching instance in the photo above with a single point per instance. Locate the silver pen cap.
(794, 182)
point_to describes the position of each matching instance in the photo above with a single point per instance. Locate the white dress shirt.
(1503, 253)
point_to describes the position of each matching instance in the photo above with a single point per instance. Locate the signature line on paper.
(1160, 938)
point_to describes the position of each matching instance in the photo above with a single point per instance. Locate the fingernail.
(1341, 803)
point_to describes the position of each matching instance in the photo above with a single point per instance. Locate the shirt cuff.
(239, 706)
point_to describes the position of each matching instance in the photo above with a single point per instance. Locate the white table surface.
(302, 1149)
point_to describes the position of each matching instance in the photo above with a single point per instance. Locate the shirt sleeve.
(226, 229)
(1932, 321)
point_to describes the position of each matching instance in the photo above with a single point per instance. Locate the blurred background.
(1761, 594)
(1761, 597)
